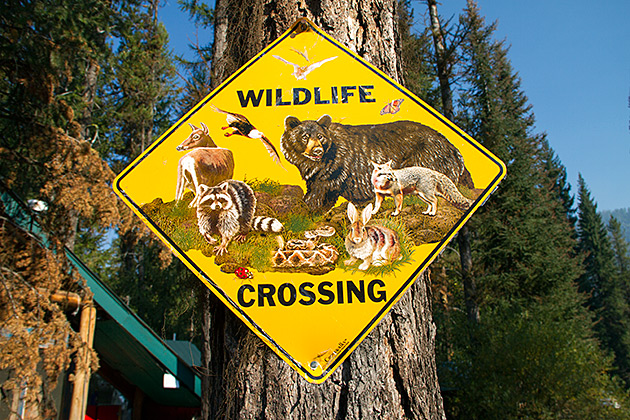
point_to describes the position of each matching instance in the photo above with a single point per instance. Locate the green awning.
(129, 346)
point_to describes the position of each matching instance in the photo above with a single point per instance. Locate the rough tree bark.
(392, 374)
(463, 237)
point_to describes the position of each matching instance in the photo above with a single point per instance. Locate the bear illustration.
(336, 159)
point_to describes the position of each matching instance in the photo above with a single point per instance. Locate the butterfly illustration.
(392, 107)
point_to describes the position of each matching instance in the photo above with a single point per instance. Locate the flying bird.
(243, 127)
(300, 72)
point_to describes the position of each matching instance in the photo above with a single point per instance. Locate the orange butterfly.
(392, 107)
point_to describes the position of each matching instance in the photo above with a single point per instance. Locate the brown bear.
(336, 159)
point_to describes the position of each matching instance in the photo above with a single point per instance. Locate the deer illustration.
(206, 163)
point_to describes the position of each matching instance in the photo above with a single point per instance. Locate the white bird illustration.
(300, 72)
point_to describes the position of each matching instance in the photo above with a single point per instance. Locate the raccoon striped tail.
(267, 224)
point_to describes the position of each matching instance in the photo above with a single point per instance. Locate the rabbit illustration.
(375, 245)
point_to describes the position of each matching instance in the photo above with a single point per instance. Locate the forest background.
(536, 326)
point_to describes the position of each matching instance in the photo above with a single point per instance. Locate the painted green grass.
(388, 206)
(266, 185)
(255, 252)
(298, 223)
(179, 222)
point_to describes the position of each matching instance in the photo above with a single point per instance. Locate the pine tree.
(37, 341)
(533, 328)
(445, 61)
(595, 245)
(523, 246)
(561, 188)
(156, 286)
(143, 94)
(50, 59)
(606, 291)
(198, 71)
(621, 250)
(417, 70)
(623, 217)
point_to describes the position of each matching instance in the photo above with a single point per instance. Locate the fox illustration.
(424, 182)
(228, 210)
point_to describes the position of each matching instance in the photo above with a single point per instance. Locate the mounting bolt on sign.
(307, 192)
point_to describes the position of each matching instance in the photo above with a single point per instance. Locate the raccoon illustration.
(228, 210)
(424, 182)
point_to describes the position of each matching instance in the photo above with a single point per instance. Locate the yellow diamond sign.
(307, 192)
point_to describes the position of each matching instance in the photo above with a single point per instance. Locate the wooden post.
(138, 402)
(67, 300)
(82, 372)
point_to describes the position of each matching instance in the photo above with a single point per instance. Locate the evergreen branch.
(26, 232)
(15, 312)
(27, 284)
(199, 12)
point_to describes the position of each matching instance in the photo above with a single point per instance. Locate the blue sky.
(573, 58)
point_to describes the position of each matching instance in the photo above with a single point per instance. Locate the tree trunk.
(392, 373)
(470, 286)
(442, 61)
(219, 45)
(213, 312)
(463, 237)
(244, 28)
